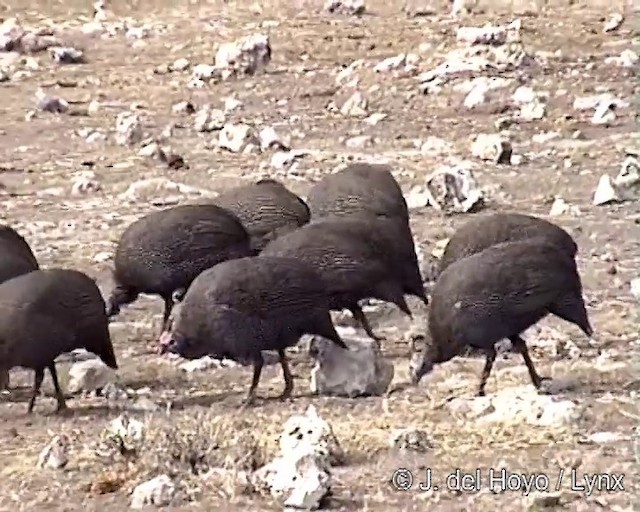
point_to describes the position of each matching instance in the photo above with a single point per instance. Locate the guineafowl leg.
(36, 388)
(59, 396)
(288, 378)
(358, 314)
(520, 346)
(486, 371)
(4, 379)
(257, 370)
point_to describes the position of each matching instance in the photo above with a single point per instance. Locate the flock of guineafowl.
(258, 267)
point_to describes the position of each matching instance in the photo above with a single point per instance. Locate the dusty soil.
(38, 159)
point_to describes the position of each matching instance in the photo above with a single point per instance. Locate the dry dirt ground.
(39, 158)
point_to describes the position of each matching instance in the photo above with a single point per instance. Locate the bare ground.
(38, 158)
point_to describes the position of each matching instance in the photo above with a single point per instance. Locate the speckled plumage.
(266, 208)
(164, 251)
(484, 231)
(46, 313)
(357, 258)
(498, 293)
(359, 189)
(244, 306)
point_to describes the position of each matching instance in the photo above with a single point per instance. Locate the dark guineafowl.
(46, 313)
(16, 258)
(499, 293)
(357, 259)
(359, 189)
(241, 307)
(164, 251)
(485, 231)
(266, 208)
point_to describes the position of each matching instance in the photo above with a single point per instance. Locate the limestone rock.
(410, 439)
(454, 189)
(237, 137)
(89, 375)
(158, 491)
(355, 106)
(350, 7)
(492, 147)
(128, 129)
(209, 119)
(56, 454)
(359, 372)
(244, 56)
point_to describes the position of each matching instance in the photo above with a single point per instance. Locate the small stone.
(359, 372)
(476, 96)
(66, 55)
(524, 94)
(634, 288)
(391, 63)
(159, 492)
(410, 439)
(183, 107)
(605, 192)
(492, 147)
(355, 106)
(454, 189)
(236, 137)
(204, 72)
(559, 207)
(269, 139)
(285, 159)
(50, 103)
(128, 129)
(360, 142)
(375, 118)
(180, 65)
(538, 500)
(627, 59)
(604, 114)
(348, 7)
(244, 56)
(532, 111)
(56, 454)
(614, 22)
(85, 183)
(89, 375)
(209, 119)
(231, 104)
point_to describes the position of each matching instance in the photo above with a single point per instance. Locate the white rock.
(454, 189)
(627, 182)
(158, 491)
(244, 56)
(487, 83)
(436, 146)
(490, 35)
(144, 190)
(299, 482)
(309, 433)
(206, 363)
(375, 118)
(559, 207)
(236, 137)
(417, 198)
(66, 55)
(350, 7)
(183, 107)
(492, 147)
(128, 430)
(359, 142)
(85, 183)
(634, 288)
(151, 150)
(355, 106)
(128, 129)
(270, 139)
(285, 159)
(605, 192)
(89, 375)
(627, 59)
(209, 119)
(204, 72)
(476, 96)
(461, 6)
(605, 437)
(391, 63)
(361, 371)
(524, 94)
(56, 454)
(180, 65)
(231, 104)
(96, 137)
(517, 405)
(51, 104)
(532, 111)
(604, 114)
(593, 102)
(614, 22)
(410, 439)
